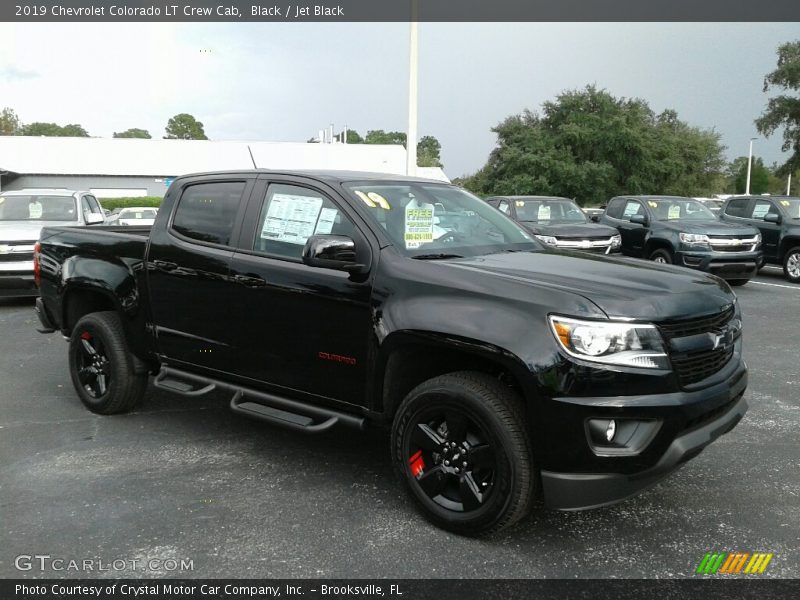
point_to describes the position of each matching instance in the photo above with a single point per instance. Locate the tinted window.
(291, 214)
(737, 207)
(207, 211)
(614, 209)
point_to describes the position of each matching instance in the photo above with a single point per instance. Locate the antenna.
(255, 166)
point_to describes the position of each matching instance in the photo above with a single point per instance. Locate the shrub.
(112, 203)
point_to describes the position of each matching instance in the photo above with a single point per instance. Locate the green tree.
(587, 144)
(184, 127)
(784, 110)
(379, 136)
(9, 122)
(54, 130)
(428, 149)
(760, 176)
(133, 133)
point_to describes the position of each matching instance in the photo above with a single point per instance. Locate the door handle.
(250, 281)
(165, 265)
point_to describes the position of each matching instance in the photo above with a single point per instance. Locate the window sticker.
(419, 225)
(652, 204)
(785, 203)
(631, 209)
(544, 212)
(379, 200)
(327, 217)
(520, 203)
(291, 218)
(760, 210)
(35, 210)
(365, 199)
(674, 212)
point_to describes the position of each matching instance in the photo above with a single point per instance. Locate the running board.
(278, 410)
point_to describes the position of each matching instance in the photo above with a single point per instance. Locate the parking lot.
(187, 479)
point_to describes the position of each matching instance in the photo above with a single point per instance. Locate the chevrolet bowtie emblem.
(5, 249)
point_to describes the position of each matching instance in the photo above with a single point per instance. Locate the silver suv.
(23, 213)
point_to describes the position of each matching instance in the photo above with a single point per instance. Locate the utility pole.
(413, 60)
(749, 167)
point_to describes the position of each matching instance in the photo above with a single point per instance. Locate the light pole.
(749, 167)
(413, 59)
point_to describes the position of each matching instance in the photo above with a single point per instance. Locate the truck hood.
(621, 288)
(709, 227)
(569, 231)
(25, 231)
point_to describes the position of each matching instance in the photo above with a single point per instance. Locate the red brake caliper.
(86, 336)
(417, 464)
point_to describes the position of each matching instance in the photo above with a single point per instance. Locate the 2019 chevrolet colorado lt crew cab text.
(505, 368)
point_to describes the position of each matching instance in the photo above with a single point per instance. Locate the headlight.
(616, 241)
(624, 344)
(547, 239)
(693, 238)
(758, 238)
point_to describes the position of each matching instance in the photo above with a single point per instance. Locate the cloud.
(11, 73)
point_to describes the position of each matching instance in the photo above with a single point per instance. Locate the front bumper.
(15, 285)
(691, 421)
(727, 265)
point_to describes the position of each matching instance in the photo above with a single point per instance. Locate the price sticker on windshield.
(674, 212)
(419, 227)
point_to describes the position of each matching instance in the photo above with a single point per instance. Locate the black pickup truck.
(682, 231)
(778, 220)
(505, 369)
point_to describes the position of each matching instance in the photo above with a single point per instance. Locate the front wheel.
(101, 366)
(661, 256)
(791, 265)
(461, 446)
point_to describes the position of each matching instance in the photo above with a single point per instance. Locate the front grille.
(696, 366)
(16, 257)
(710, 324)
(16, 251)
(691, 367)
(732, 243)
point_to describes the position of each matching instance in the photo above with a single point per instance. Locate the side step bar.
(277, 410)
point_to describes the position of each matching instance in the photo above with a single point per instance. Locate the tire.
(791, 265)
(661, 255)
(737, 282)
(435, 423)
(101, 366)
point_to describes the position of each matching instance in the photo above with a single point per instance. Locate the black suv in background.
(673, 229)
(558, 222)
(778, 219)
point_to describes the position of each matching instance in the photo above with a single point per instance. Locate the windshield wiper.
(439, 256)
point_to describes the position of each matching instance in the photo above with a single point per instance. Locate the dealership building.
(121, 167)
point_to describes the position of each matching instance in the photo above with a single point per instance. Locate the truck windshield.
(791, 206)
(38, 208)
(672, 209)
(548, 211)
(438, 220)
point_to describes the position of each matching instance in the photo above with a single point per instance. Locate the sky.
(284, 82)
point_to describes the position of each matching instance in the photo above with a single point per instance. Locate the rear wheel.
(661, 256)
(101, 366)
(460, 445)
(791, 265)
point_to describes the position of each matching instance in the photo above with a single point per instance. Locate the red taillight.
(37, 270)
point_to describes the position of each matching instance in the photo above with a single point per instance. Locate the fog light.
(611, 430)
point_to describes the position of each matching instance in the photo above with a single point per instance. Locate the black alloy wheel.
(93, 365)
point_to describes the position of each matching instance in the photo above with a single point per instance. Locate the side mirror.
(772, 218)
(595, 218)
(332, 252)
(93, 218)
(639, 219)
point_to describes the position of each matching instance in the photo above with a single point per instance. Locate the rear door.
(770, 232)
(301, 328)
(189, 270)
(633, 234)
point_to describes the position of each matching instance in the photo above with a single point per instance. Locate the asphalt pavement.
(187, 480)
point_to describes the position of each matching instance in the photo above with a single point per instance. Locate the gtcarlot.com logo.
(734, 563)
(46, 562)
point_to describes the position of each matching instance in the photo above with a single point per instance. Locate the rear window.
(147, 213)
(207, 211)
(614, 209)
(38, 208)
(737, 207)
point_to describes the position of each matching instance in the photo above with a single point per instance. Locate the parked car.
(559, 222)
(778, 220)
(593, 213)
(682, 231)
(503, 367)
(135, 216)
(23, 213)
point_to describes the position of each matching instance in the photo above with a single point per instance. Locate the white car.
(136, 216)
(23, 213)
